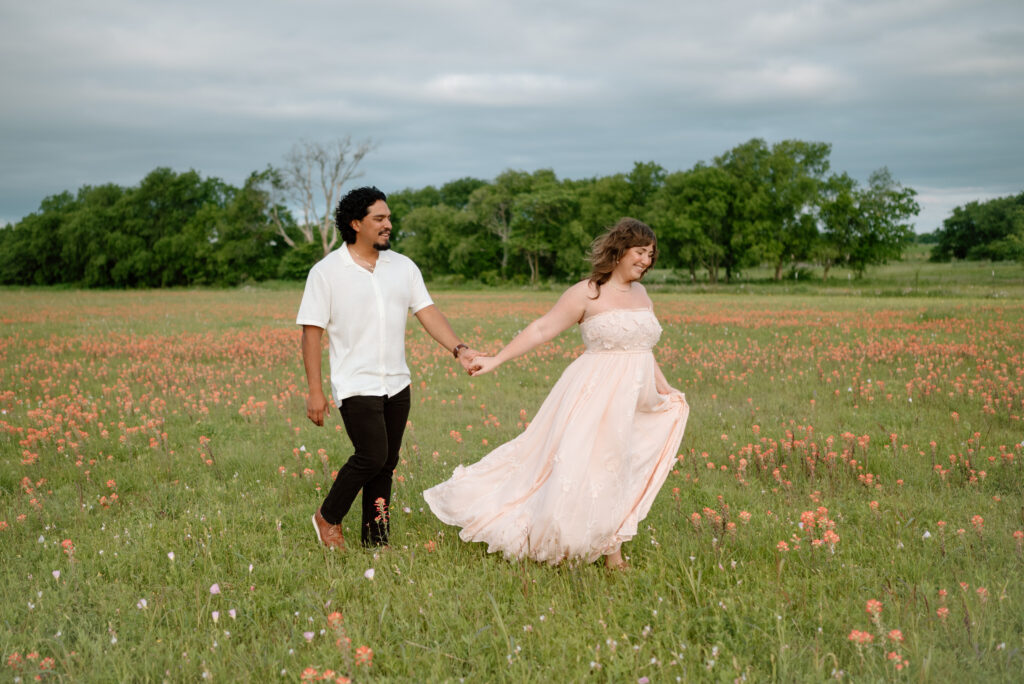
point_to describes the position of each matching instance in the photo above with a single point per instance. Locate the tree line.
(183, 229)
(171, 229)
(989, 231)
(755, 204)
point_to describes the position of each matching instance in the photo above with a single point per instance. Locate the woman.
(576, 483)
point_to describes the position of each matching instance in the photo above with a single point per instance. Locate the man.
(361, 294)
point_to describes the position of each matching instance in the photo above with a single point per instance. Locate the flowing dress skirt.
(576, 483)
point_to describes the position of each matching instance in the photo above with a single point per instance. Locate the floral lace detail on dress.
(626, 330)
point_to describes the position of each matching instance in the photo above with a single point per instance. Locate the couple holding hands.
(574, 485)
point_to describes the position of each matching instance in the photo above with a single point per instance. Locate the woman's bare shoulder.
(583, 288)
(643, 293)
(577, 298)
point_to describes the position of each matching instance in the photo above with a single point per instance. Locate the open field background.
(912, 276)
(157, 475)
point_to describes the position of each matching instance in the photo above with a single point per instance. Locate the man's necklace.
(363, 261)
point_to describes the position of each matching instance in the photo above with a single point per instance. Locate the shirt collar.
(346, 257)
(349, 261)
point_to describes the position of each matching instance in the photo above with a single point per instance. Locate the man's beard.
(382, 248)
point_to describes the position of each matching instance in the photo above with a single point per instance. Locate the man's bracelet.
(455, 352)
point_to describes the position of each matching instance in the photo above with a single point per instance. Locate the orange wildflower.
(364, 656)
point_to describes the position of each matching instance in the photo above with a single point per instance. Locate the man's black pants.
(375, 425)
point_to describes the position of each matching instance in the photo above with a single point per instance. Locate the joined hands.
(484, 364)
(467, 358)
(476, 363)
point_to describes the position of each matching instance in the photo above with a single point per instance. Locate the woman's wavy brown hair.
(608, 248)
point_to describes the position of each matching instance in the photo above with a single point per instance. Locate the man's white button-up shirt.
(364, 315)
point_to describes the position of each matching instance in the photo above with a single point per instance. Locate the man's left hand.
(466, 357)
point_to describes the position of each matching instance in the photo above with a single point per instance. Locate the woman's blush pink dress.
(579, 479)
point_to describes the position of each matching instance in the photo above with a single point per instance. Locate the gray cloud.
(108, 90)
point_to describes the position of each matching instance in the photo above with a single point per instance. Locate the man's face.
(375, 228)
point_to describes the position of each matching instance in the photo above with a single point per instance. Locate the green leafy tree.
(244, 234)
(456, 193)
(82, 234)
(185, 256)
(159, 241)
(603, 201)
(842, 222)
(777, 191)
(435, 213)
(31, 249)
(493, 205)
(296, 263)
(572, 244)
(643, 182)
(797, 170)
(982, 230)
(693, 213)
(890, 208)
(430, 235)
(748, 220)
(542, 220)
(475, 255)
(171, 229)
(865, 227)
(403, 202)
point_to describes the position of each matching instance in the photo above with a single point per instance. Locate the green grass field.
(847, 503)
(913, 276)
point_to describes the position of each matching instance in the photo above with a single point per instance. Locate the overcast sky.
(107, 90)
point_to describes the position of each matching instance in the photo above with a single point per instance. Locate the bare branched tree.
(313, 176)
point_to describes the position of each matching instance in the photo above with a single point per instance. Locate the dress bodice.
(624, 330)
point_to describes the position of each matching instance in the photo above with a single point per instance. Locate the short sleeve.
(419, 298)
(315, 308)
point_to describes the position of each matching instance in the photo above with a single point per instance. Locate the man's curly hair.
(354, 206)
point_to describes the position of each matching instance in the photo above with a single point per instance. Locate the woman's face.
(634, 262)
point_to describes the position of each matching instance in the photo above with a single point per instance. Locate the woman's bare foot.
(615, 561)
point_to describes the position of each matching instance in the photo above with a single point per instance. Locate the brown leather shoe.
(329, 535)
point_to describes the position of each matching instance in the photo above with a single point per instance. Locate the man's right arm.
(312, 354)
